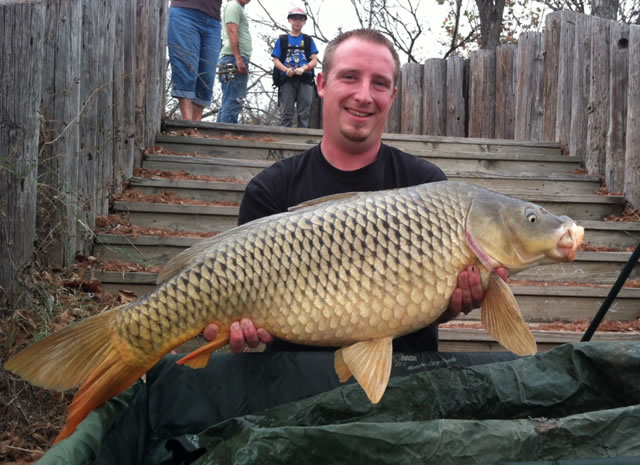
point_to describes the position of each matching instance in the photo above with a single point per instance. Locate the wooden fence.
(81, 93)
(578, 83)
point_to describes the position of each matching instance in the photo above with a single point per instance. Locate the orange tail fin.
(81, 353)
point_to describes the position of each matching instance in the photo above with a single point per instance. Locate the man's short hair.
(370, 35)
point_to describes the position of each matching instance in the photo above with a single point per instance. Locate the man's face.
(243, 2)
(357, 93)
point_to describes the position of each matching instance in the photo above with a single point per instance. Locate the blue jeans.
(234, 91)
(194, 47)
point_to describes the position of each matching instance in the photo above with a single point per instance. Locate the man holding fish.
(354, 271)
(358, 84)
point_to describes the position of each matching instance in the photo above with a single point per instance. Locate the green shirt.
(234, 13)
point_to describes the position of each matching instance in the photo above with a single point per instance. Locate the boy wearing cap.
(296, 64)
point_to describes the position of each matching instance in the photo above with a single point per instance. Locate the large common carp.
(352, 271)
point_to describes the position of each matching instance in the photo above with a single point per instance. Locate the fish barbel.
(352, 271)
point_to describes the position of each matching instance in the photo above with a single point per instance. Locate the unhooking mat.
(576, 404)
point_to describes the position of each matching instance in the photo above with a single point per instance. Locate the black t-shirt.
(309, 175)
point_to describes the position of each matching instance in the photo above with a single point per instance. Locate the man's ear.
(320, 82)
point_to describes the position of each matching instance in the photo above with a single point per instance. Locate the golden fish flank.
(352, 271)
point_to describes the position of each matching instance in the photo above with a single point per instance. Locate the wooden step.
(179, 217)
(478, 340)
(214, 218)
(313, 136)
(447, 160)
(552, 184)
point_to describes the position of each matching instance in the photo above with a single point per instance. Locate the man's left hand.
(469, 294)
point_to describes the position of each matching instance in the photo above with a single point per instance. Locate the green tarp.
(579, 403)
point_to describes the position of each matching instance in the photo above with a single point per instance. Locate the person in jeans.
(296, 69)
(236, 50)
(194, 47)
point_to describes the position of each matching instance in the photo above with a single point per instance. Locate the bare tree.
(490, 12)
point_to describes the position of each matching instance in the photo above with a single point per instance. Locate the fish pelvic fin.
(342, 370)
(370, 364)
(199, 358)
(84, 353)
(502, 319)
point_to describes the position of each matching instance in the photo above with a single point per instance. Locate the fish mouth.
(567, 246)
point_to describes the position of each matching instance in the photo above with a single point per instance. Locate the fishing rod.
(604, 308)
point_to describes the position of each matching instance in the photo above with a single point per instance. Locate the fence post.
(482, 94)
(598, 108)
(632, 155)
(530, 87)
(434, 110)
(506, 58)
(618, 90)
(565, 79)
(395, 114)
(19, 126)
(552, 54)
(456, 98)
(580, 87)
(411, 122)
(58, 167)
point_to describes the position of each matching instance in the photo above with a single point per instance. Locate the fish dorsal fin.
(501, 317)
(370, 364)
(319, 200)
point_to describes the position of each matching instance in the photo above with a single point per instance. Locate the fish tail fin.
(107, 380)
(83, 353)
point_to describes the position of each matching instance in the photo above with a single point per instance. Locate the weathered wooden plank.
(130, 88)
(22, 27)
(598, 109)
(120, 156)
(482, 94)
(394, 121)
(88, 159)
(506, 57)
(565, 78)
(530, 87)
(156, 61)
(456, 99)
(632, 154)
(618, 89)
(142, 69)
(105, 104)
(434, 109)
(411, 122)
(552, 54)
(580, 88)
(57, 168)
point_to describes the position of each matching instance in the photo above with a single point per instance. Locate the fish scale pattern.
(369, 266)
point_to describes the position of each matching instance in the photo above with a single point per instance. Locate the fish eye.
(531, 215)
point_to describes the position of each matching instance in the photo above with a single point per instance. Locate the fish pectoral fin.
(341, 367)
(370, 364)
(199, 358)
(501, 317)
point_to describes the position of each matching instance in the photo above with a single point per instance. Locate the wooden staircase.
(531, 171)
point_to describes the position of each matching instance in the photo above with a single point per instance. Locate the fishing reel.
(229, 70)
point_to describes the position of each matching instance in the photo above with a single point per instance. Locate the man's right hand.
(240, 333)
(242, 68)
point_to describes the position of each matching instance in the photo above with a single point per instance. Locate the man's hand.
(240, 333)
(242, 67)
(469, 294)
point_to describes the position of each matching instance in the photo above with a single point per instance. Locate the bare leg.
(186, 108)
(196, 112)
